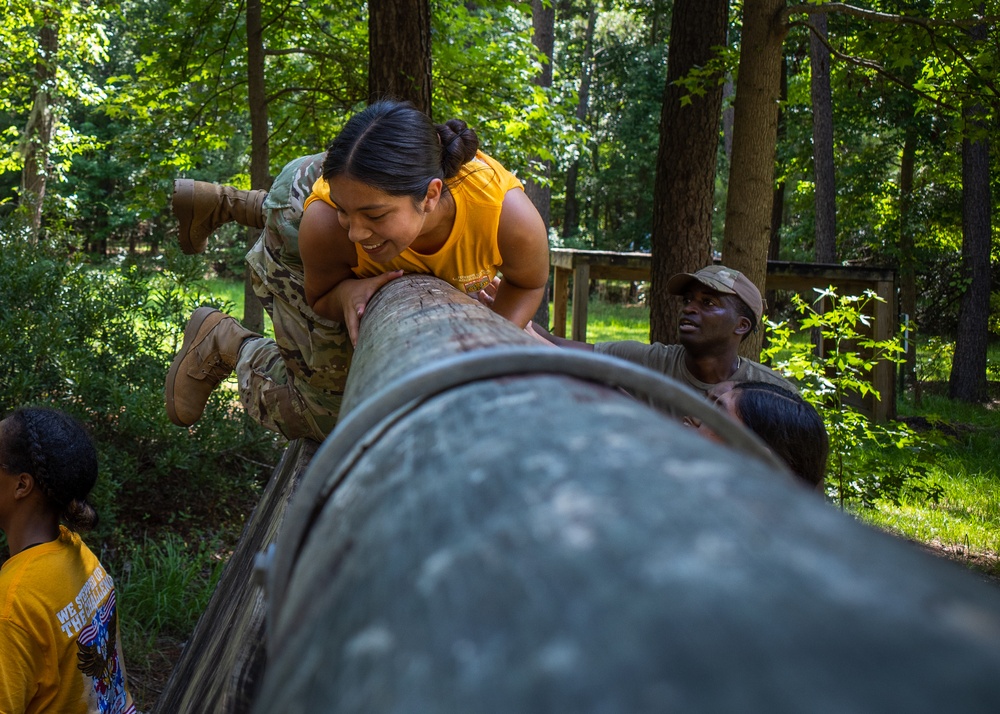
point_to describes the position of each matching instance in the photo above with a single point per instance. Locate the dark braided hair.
(394, 147)
(54, 448)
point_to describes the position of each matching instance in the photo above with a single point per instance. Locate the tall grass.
(164, 586)
(966, 455)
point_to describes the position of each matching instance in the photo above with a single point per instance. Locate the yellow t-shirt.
(470, 257)
(59, 632)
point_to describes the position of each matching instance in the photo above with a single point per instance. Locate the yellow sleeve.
(20, 674)
(320, 192)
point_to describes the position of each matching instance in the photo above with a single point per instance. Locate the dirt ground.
(984, 564)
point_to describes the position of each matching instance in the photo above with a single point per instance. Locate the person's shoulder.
(648, 355)
(757, 372)
(486, 174)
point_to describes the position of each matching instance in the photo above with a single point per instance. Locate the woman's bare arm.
(328, 255)
(524, 250)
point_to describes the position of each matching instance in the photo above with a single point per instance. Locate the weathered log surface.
(222, 664)
(623, 564)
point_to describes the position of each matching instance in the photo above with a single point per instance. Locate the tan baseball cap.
(724, 280)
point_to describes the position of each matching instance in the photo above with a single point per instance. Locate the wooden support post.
(581, 298)
(560, 298)
(884, 328)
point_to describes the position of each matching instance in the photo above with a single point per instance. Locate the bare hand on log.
(530, 329)
(354, 296)
(488, 294)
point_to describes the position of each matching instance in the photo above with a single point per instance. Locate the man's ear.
(743, 327)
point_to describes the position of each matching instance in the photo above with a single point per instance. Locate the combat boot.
(201, 207)
(208, 355)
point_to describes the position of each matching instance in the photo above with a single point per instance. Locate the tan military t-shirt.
(669, 360)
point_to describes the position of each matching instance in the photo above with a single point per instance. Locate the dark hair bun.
(80, 515)
(459, 145)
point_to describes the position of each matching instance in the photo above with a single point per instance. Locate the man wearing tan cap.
(721, 307)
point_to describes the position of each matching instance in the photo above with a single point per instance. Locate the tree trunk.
(907, 259)
(825, 196)
(968, 369)
(399, 51)
(778, 200)
(685, 163)
(778, 197)
(751, 174)
(38, 130)
(571, 212)
(543, 20)
(728, 89)
(260, 177)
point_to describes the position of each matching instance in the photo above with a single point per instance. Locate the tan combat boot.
(208, 355)
(201, 207)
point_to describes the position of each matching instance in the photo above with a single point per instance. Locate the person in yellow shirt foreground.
(59, 644)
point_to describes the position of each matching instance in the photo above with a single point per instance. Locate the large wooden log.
(432, 562)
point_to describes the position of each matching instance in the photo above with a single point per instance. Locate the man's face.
(709, 320)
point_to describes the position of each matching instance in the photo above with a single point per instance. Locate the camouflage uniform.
(294, 383)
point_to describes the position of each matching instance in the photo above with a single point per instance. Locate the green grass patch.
(163, 588)
(232, 291)
(965, 453)
(607, 322)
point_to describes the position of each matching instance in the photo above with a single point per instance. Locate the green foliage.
(934, 359)
(82, 42)
(617, 163)
(164, 586)
(699, 80)
(860, 469)
(96, 341)
(484, 70)
(966, 518)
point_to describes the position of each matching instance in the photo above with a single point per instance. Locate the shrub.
(96, 341)
(862, 467)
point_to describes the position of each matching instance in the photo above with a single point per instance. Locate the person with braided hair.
(60, 649)
(393, 194)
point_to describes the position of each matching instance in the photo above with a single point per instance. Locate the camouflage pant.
(294, 383)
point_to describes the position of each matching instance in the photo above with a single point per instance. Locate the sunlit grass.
(232, 291)
(608, 322)
(967, 466)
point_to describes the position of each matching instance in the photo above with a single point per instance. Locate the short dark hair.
(55, 449)
(395, 148)
(788, 424)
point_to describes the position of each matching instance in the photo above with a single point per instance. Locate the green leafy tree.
(618, 161)
(47, 68)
